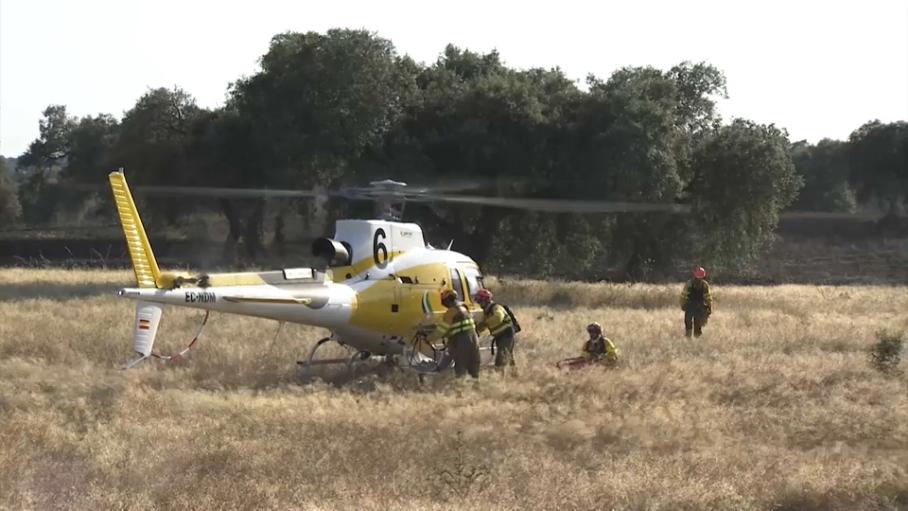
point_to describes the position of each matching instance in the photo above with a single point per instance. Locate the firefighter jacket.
(456, 321)
(696, 294)
(600, 348)
(497, 321)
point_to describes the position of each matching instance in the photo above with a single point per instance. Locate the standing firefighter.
(502, 326)
(696, 303)
(459, 330)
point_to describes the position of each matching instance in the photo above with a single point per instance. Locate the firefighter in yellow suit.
(696, 302)
(597, 350)
(459, 331)
(500, 326)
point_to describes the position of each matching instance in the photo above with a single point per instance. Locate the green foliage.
(744, 177)
(824, 169)
(39, 200)
(153, 135)
(878, 159)
(52, 144)
(320, 101)
(696, 85)
(568, 246)
(89, 147)
(9, 200)
(886, 354)
(631, 136)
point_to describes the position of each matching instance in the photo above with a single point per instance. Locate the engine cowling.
(336, 252)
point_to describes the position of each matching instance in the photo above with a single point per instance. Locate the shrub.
(886, 354)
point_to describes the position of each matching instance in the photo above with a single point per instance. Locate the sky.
(816, 68)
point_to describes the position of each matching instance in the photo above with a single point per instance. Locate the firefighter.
(598, 349)
(498, 321)
(696, 302)
(459, 331)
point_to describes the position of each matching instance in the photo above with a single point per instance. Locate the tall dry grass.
(775, 407)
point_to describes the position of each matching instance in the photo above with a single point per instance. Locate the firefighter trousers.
(504, 350)
(465, 351)
(694, 320)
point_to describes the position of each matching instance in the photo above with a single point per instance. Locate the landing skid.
(306, 365)
(349, 361)
(424, 358)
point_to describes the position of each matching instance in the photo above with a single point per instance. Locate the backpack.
(514, 323)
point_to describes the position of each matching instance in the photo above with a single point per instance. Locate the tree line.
(344, 107)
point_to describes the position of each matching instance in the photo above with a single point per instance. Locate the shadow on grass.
(55, 291)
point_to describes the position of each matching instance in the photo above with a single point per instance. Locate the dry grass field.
(776, 407)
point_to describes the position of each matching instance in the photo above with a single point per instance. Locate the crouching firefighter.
(459, 331)
(597, 350)
(502, 326)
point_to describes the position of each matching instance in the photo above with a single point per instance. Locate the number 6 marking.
(379, 248)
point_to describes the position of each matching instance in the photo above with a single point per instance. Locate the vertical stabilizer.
(143, 262)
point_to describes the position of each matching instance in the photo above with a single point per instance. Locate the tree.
(824, 170)
(630, 145)
(153, 137)
(878, 159)
(41, 164)
(89, 146)
(220, 153)
(151, 145)
(320, 101)
(696, 85)
(745, 178)
(52, 144)
(9, 201)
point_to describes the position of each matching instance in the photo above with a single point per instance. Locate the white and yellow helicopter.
(380, 289)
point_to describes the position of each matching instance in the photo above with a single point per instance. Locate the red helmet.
(448, 294)
(699, 273)
(483, 295)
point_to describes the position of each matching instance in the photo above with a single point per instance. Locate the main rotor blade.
(591, 206)
(224, 193)
(828, 215)
(559, 205)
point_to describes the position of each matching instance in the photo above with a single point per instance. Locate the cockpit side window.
(457, 283)
(474, 280)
